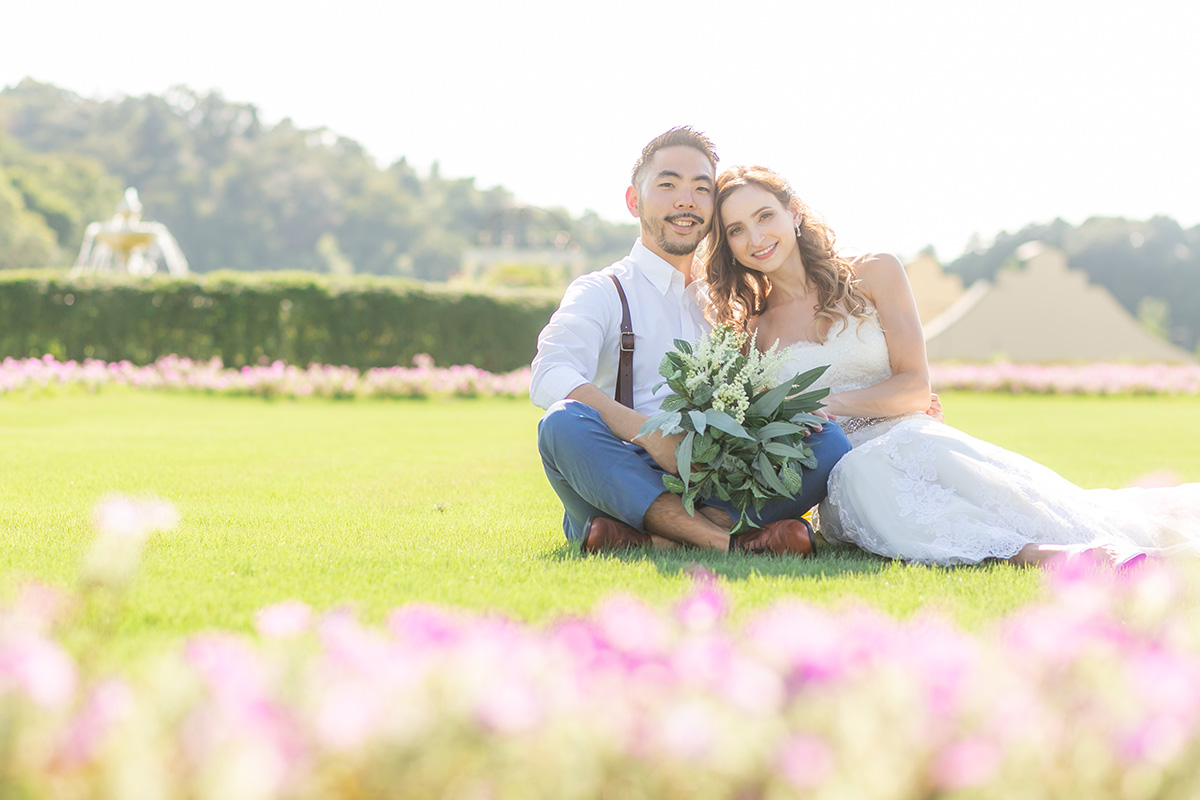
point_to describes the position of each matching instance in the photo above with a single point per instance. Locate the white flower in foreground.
(123, 524)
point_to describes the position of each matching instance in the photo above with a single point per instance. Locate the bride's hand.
(823, 414)
(935, 408)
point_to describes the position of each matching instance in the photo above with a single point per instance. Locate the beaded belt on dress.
(852, 424)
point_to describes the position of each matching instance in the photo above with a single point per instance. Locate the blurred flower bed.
(1003, 376)
(1093, 693)
(424, 379)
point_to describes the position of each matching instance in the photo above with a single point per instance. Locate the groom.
(608, 478)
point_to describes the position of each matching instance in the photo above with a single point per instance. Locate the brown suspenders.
(624, 393)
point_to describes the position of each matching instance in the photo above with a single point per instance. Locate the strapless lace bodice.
(856, 353)
(857, 356)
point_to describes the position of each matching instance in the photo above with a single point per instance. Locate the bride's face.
(761, 233)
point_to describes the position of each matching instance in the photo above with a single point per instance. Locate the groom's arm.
(577, 350)
(575, 347)
(625, 423)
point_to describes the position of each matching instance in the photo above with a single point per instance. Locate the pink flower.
(127, 516)
(630, 626)
(283, 620)
(965, 764)
(347, 714)
(703, 608)
(805, 761)
(108, 704)
(509, 706)
(1158, 480)
(38, 667)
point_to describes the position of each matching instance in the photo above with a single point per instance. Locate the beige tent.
(1043, 312)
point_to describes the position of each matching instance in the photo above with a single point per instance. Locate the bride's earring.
(798, 234)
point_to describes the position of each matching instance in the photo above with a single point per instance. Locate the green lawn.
(373, 504)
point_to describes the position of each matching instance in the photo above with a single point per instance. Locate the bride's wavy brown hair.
(739, 293)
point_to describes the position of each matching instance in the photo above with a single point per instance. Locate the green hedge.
(245, 318)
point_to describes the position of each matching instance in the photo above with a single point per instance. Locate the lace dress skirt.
(923, 491)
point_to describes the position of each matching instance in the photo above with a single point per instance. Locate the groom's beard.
(670, 242)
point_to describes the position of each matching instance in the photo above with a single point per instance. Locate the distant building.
(1042, 312)
(934, 289)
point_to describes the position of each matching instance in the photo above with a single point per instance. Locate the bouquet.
(744, 440)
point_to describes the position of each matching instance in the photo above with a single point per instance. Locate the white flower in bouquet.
(744, 438)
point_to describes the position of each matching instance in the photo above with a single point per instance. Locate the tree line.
(238, 193)
(241, 194)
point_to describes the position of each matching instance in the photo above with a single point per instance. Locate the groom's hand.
(662, 450)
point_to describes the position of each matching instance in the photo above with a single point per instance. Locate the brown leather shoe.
(793, 536)
(604, 534)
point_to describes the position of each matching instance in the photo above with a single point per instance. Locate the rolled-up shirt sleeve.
(578, 345)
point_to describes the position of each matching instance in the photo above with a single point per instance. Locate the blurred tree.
(241, 194)
(63, 193)
(25, 238)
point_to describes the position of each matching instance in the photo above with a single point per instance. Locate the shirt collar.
(656, 270)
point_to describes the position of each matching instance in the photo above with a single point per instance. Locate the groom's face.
(674, 202)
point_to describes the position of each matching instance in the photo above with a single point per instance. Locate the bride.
(913, 487)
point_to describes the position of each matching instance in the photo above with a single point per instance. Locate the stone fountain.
(127, 244)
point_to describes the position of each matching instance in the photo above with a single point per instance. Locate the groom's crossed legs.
(596, 474)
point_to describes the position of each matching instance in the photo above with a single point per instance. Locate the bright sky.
(904, 123)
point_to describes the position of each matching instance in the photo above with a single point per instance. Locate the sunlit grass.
(371, 504)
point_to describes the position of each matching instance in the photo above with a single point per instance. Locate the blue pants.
(596, 474)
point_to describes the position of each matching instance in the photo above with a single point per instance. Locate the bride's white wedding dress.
(917, 489)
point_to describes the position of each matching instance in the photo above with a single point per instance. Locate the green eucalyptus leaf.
(671, 424)
(769, 401)
(809, 420)
(683, 347)
(654, 423)
(773, 430)
(698, 420)
(809, 401)
(806, 379)
(723, 422)
(683, 457)
(783, 450)
(767, 470)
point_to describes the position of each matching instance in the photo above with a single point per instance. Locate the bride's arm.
(882, 279)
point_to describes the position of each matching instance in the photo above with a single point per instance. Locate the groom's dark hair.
(683, 136)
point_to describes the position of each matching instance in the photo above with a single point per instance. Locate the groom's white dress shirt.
(581, 342)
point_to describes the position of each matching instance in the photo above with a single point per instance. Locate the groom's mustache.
(685, 215)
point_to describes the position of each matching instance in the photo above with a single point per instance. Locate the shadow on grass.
(830, 562)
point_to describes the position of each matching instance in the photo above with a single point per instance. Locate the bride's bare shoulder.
(877, 269)
(875, 262)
